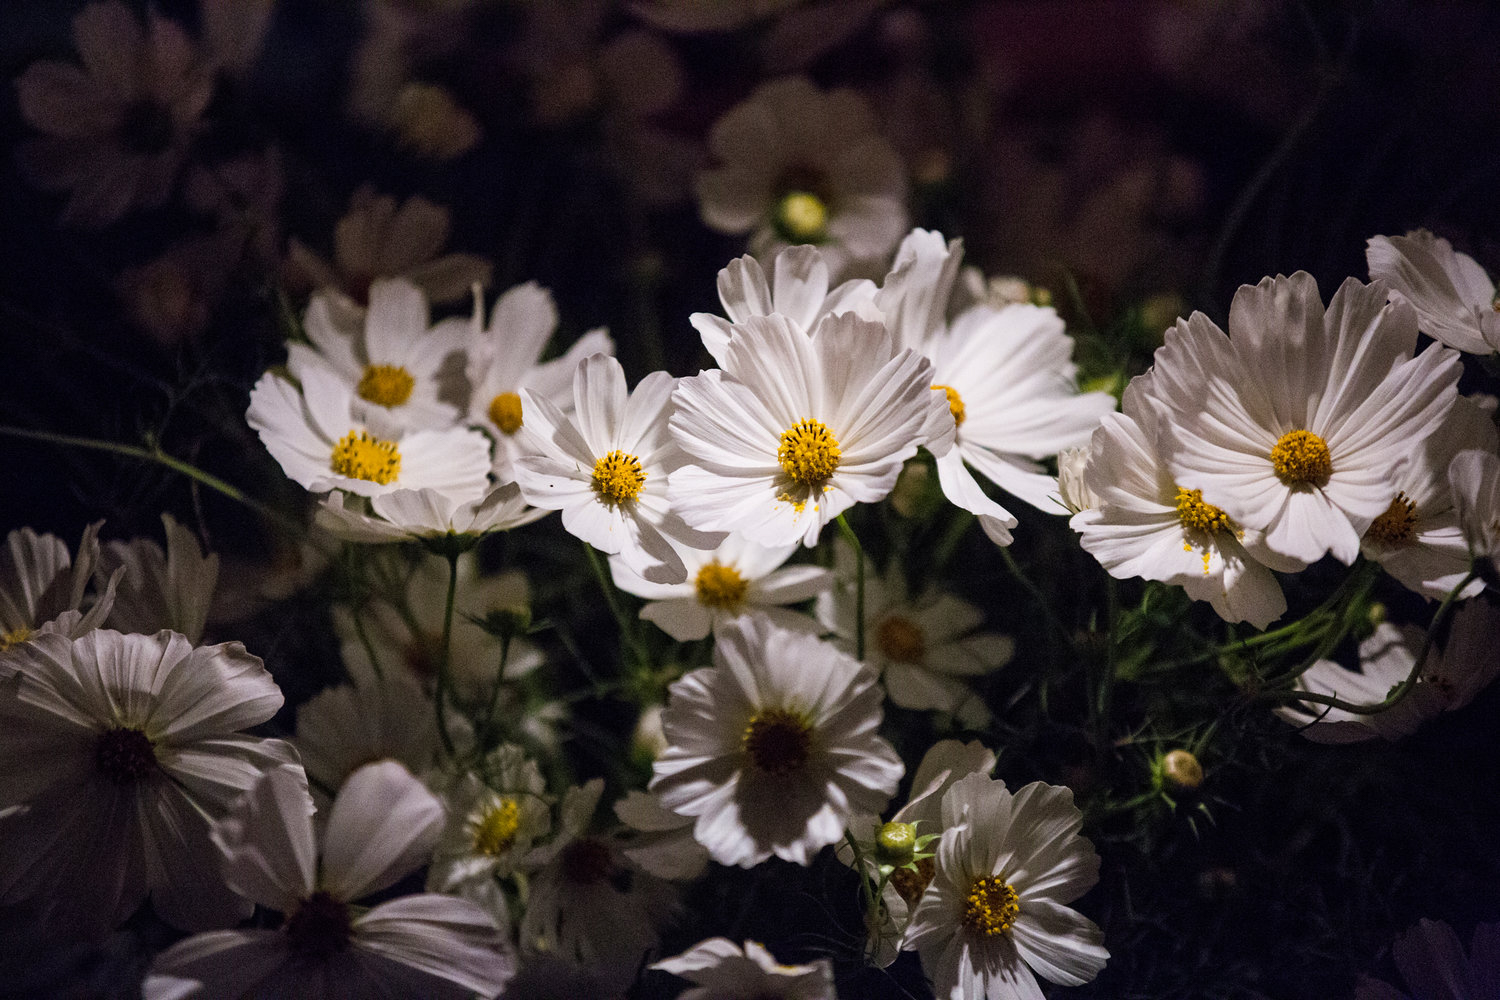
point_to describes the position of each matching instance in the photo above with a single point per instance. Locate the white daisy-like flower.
(505, 357)
(719, 969)
(587, 901)
(796, 429)
(123, 749)
(340, 729)
(378, 239)
(323, 443)
(800, 165)
(171, 589)
(773, 747)
(1454, 299)
(1474, 476)
(1294, 424)
(1418, 539)
(797, 289)
(924, 646)
(995, 915)
(659, 840)
(735, 578)
(607, 467)
(386, 354)
(1433, 965)
(1143, 524)
(381, 827)
(1072, 485)
(427, 513)
(43, 587)
(118, 128)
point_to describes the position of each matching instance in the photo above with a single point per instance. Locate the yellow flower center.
(808, 452)
(778, 741)
(361, 456)
(505, 412)
(900, 640)
(494, 832)
(955, 402)
(14, 636)
(802, 217)
(1398, 525)
(386, 385)
(1196, 515)
(618, 477)
(1301, 458)
(721, 586)
(991, 906)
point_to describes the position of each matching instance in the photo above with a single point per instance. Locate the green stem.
(859, 586)
(445, 666)
(866, 886)
(1042, 604)
(628, 635)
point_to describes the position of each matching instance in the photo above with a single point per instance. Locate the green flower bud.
(896, 844)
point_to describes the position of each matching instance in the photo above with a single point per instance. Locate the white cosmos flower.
(123, 749)
(800, 165)
(1453, 297)
(719, 969)
(659, 840)
(427, 513)
(1418, 539)
(1475, 478)
(607, 467)
(1295, 423)
(1143, 524)
(774, 746)
(995, 915)
(505, 357)
(796, 429)
(1433, 966)
(924, 646)
(171, 589)
(323, 443)
(797, 289)
(340, 729)
(381, 828)
(736, 577)
(386, 355)
(43, 587)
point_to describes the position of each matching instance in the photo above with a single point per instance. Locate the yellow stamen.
(808, 452)
(361, 456)
(802, 217)
(778, 741)
(721, 586)
(14, 636)
(1196, 515)
(991, 906)
(1397, 525)
(494, 832)
(618, 477)
(900, 640)
(386, 385)
(955, 402)
(505, 412)
(1301, 458)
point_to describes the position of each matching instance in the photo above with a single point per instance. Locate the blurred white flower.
(799, 165)
(1475, 478)
(428, 121)
(118, 128)
(171, 589)
(43, 588)
(408, 514)
(659, 840)
(340, 729)
(719, 969)
(1454, 298)
(1433, 965)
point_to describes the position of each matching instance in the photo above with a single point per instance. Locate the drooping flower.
(1453, 297)
(607, 467)
(403, 515)
(122, 749)
(735, 578)
(773, 747)
(119, 127)
(43, 587)
(797, 429)
(381, 827)
(1433, 965)
(800, 165)
(1474, 476)
(995, 915)
(171, 589)
(718, 968)
(1294, 423)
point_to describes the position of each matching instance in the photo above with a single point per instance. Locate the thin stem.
(1037, 596)
(445, 667)
(866, 886)
(859, 585)
(627, 627)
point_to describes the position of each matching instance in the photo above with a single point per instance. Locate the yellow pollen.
(1196, 515)
(778, 741)
(802, 217)
(505, 412)
(991, 906)
(495, 830)
(360, 456)
(1398, 525)
(14, 636)
(1301, 458)
(955, 402)
(618, 477)
(721, 586)
(386, 385)
(808, 452)
(900, 640)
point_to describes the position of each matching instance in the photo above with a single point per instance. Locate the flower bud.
(896, 844)
(1182, 770)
